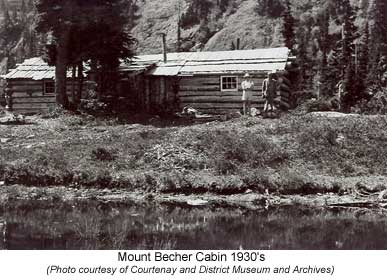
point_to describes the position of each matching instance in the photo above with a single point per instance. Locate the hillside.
(237, 20)
(218, 28)
(206, 25)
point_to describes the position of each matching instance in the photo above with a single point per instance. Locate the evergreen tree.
(301, 50)
(324, 44)
(288, 26)
(84, 30)
(5, 25)
(363, 60)
(15, 17)
(347, 43)
(349, 34)
(352, 87)
(378, 40)
(3, 7)
(23, 12)
(270, 8)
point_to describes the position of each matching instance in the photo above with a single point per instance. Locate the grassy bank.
(293, 155)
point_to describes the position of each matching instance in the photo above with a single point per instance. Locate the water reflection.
(95, 225)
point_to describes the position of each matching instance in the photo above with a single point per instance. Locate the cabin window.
(229, 83)
(49, 87)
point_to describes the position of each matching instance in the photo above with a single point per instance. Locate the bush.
(320, 105)
(103, 155)
(94, 107)
(227, 149)
(270, 8)
(377, 104)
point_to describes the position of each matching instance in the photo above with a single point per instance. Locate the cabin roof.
(217, 62)
(33, 68)
(178, 64)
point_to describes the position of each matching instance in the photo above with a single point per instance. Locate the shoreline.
(248, 200)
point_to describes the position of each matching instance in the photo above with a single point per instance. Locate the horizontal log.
(199, 88)
(199, 80)
(27, 88)
(25, 94)
(285, 94)
(284, 99)
(34, 99)
(222, 111)
(234, 105)
(284, 104)
(212, 99)
(217, 93)
(284, 87)
(25, 82)
(286, 81)
(32, 111)
(218, 96)
(33, 105)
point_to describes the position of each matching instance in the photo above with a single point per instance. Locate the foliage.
(197, 10)
(270, 8)
(288, 26)
(102, 154)
(377, 75)
(17, 39)
(85, 31)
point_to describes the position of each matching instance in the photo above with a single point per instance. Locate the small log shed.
(207, 81)
(32, 86)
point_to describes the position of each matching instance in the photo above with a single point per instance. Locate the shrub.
(320, 105)
(94, 107)
(226, 148)
(102, 154)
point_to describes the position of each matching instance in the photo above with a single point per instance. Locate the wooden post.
(164, 42)
(80, 83)
(73, 79)
(8, 98)
(147, 94)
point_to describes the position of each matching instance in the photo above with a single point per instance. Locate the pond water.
(96, 225)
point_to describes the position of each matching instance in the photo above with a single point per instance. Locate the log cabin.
(33, 86)
(207, 81)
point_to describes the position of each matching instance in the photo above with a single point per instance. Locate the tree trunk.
(74, 79)
(80, 83)
(61, 70)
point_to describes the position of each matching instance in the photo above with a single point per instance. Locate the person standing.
(269, 90)
(247, 95)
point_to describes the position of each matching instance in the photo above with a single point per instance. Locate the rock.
(383, 195)
(30, 136)
(255, 112)
(340, 138)
(2, 183)
(29, 146)
(197, 202)
(5, 140)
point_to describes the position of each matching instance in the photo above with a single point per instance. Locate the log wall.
(204, 93)
(29, 98)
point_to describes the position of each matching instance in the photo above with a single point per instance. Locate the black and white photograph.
(193, 125)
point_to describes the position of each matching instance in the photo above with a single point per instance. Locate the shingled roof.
(33, 68)
(217, 62)
(178, 64)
